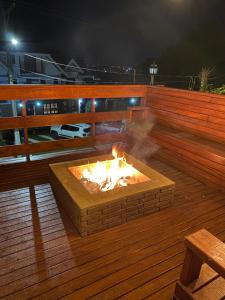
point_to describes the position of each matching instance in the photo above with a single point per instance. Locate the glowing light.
(20, 105)
(14, 41)
(80, 101)
(133, 100)
(38, 103)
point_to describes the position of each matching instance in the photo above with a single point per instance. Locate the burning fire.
(109, 174)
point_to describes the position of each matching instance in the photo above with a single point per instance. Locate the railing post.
(25, 130)
(143, 101)
(93, 111)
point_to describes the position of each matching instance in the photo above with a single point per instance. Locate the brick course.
(123, 210)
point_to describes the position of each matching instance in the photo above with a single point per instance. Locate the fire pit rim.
(84, 199)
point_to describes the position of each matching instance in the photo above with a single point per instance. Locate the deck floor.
(43, 257)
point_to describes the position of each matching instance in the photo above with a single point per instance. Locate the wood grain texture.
(191, 153)
(33, 92)
(198, 113)
(41, 121)
(207, 281)
(62, 144)
(209, 249)
(43, 257)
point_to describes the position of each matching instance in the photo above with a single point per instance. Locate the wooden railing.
(25, 93)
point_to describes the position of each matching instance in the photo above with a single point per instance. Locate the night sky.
(117, 32)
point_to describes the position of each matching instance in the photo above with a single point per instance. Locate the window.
(87, 130)
(74, 128)
(12, 58)
(54, 108)
(66, 127)
(50, 108)
(30, 63)
(70, 128)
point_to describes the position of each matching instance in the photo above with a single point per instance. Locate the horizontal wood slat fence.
(191, 131)
(25, 93)
(190, 126)
(48, 120)
(199, 113)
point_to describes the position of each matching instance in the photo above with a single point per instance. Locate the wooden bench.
(190, 128)
(202, 158)
(203, 273)
(198, 113)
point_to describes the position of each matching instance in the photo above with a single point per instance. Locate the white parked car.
(70, 130)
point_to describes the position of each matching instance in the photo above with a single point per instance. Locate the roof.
(73, 63)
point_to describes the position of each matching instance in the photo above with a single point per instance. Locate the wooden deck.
(43, 257)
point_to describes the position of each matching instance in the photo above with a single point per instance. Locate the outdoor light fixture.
(153, 70)
(133, 101)
(11, 43)
(14, 41)
(38, 103)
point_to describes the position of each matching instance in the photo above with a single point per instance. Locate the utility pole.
(134, 75)
(152, 80)
(6, 18)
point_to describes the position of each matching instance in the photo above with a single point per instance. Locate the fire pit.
(105, 191)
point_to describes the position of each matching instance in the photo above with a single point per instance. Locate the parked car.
(70, 130)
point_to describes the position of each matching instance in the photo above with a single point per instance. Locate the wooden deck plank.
(133, 237)
(42, 256)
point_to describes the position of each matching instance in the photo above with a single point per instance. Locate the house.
(40, 68)
(75, 72)
(36, 68)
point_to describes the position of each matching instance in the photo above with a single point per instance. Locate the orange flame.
(111, 173)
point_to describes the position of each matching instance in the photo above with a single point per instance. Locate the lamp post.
(153, 70)
(38, 104)
(12, 42)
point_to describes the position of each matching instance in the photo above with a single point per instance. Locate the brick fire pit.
(98, 211)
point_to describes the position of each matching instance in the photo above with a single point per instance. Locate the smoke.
(142, 147)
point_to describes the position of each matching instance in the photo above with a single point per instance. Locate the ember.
(107, 175)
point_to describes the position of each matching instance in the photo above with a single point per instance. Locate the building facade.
(38, 68)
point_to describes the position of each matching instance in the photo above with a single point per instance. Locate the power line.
(79, 81)
(73, 67)
(105, 71)
(48, 76)
(70, 81)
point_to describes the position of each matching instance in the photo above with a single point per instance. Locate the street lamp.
(13, 42)
(38, 104)
(153, 70)
(80, 102)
